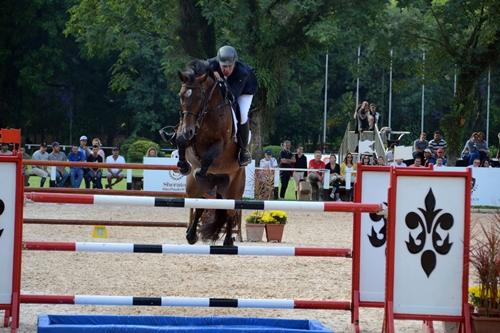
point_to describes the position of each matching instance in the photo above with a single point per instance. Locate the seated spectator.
(420, 144)
(300, 163)
(439, 163)
(399, 163)
(57, 155)
(465, 154)
(26, 173)
(334, 168)
(437, 142)
(348, 167)
(417, 162)
(475, 164)
(316, 178)
(97, 142)
(151, 152)
(366, 159)
(482, 146)
(75, 173)
(4, 149)
(41, 171)
(380, 161)
(389, 156)
(86, 151)
(268, 162)
(95, 174)
(440, 154)
(486, 164)
(428, 157)
(115, 173)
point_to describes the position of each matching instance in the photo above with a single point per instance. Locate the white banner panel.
(7, 223)
(373, 238)
(429, 235)
(173, 181)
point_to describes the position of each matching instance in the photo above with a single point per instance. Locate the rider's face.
(227, 70)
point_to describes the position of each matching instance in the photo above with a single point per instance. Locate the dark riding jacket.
(242, 81)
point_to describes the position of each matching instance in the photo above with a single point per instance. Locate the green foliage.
(137, 150)
(274, 149)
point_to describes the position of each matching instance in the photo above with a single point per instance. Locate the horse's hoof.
(192, 239)
(228, 242)
(198, 174)
(184, 168)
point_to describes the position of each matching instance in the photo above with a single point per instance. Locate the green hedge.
(137, 150)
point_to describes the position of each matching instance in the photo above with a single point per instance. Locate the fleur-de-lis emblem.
(374, 236)
(429, 227)
(2, 208)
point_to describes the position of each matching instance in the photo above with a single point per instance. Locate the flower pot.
(482, 324)
(274, 232)
(255, 231)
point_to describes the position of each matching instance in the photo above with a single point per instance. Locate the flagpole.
(325, 107)
(390, 92)
(423, 92)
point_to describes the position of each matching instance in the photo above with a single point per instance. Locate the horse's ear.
(201, 78)
(183, 77)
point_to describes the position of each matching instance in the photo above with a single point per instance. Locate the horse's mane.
(197, 68)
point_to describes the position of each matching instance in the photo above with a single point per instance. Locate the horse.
(208, 150)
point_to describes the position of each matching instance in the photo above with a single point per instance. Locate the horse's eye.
(188, 93)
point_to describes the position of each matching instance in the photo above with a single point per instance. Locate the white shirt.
(119, 159)
(270, 163)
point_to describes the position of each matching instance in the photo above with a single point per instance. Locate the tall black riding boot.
(244, 156)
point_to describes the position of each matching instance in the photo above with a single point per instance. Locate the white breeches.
(244, 102)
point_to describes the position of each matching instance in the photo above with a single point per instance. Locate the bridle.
(200, 116)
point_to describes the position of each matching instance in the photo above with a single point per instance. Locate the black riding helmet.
(227, 55)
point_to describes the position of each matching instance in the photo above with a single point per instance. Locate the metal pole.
(390, 92)
(357, 79)
(455, 81)
(423, 92)
(326, 96)
(488, 106)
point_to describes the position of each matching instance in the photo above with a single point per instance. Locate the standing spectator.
(348, 167)
(75, 173)
(4, 149)
(334, 168)
(41, 171)
(316, 177)
(115, 173)
(437, 142)
(373, 116)
(420, 145)
(264, 184)
(286, 161)
(57, 155)
(95, 174)
(86, 151)
(361, 117)
(268, 162)
(151, 152)
(300, 163)
(389, 156)
(97, 142)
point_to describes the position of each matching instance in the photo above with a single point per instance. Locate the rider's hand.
(217, 76)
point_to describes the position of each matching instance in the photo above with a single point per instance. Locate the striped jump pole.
(107, 223)
(186, 302)
(129, 166)
(285, 251)
(104, 191)
(106, 200)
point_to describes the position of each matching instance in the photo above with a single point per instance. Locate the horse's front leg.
(208, 158)
(183, 164)
(228, 240)
(192, 232)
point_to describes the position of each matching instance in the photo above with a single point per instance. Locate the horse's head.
(193, 97)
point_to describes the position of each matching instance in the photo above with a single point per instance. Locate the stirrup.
(244, 157)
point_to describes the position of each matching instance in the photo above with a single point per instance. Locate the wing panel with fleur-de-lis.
(378, 239)
(2, 208)
(428, 222)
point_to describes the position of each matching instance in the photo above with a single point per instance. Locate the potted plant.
(275, 224)
(485, 259)
(254, 227)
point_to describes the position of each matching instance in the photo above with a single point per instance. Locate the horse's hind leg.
(192, 233)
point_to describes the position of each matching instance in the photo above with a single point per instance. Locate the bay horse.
(207, 149)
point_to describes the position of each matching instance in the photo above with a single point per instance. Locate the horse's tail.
(212, 226)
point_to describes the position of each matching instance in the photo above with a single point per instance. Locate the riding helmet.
(227, 55)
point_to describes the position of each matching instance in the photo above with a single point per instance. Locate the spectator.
(417, 162)
(97, 142)
(286, 161)
(315, 178)
(428, 157)
(475, 164)
(57, 155)
(439, 163)
(482, 146)
(486, 164)
(389, 156)
(373, 116)
(440, 154)
(334, 168)
(115, 173)
(41, 171)
(95, 174)
(268, 162)
(4, 149)
(437, 142)
(399, 163)
(420, 145)
(361, 117)
(26, 173)
(470, 144)
(151, 152)
(75, 173)
(380, 161)
(348, 167)
(86, 151)
(300, 163)
(366, 159)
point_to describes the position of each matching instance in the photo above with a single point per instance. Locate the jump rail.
(285, 251)
(186, 301)
(107, 223)
(104, 191)
(133, 166)
(90, 199)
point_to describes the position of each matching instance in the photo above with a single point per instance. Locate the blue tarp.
(171, 324)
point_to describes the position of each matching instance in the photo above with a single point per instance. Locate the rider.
(242, 85)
